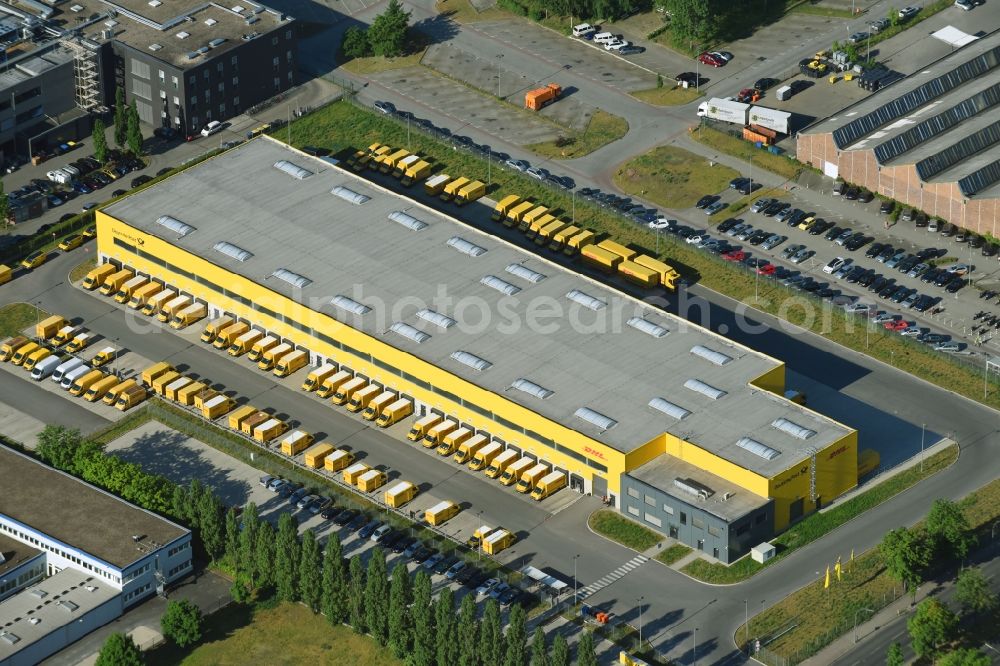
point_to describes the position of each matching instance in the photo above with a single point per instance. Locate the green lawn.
(737, 147)
(17, 316)
(820, 524)
(375, 64)
(818, 10)
(674, 553)
(80, 271)
(667, 96)
(672, 177)
(285, 634)
(618, 528)
(602, 129)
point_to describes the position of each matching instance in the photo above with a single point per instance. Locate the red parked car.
(766, 270)
(709, 59)
(896, 325)
(735, 255)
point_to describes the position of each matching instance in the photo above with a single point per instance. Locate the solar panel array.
(927, 92)
(974, 143)
(980, 179)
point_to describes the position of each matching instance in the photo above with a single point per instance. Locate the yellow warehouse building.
(677, 426)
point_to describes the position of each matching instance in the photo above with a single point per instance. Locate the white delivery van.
(605, 38)
(44, 368)
(64, 367)
(583, 30)
(70, 377)
(211, 128)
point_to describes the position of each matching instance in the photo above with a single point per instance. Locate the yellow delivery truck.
(130, 397)
(188, 315)
(244, 343)
(96, 277)
(154, 371)
(485, 455)
(172, 307)
(270, 357)
(435, 435)
(470, 192)
(377, 404)
(342, 394)
(441, 512)
(315, 455)
(65, 334)
(503, 206)
(142, 295)
(435, 184)
(476, 540)
(157, 301)
(416, 173)
(113, 282)
(23, 352)
(500, 463)
(517, 213)
(400, 494)
(360, 399)
(214, 327)
(548, 484)
(450, 442)
(266, 430)
(394, 413)
(497, 541)
(261, 347)
(129, 287)
(111, 397)
(80, 341)
(49, 326)
(337, 460)
(513, 473)
(39, 354)
(185, 396)
(452, 188)
(422, 425)
(332, 383)
(316, 377)
(83, 384)
(11, 346)
(531, 477)
(291, 362)
(352, 473)
(371, 480)
(296, 442)
(468, 448)
(575, 244)
(226, 336)
(99, 388)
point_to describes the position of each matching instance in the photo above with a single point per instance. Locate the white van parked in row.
(73, 375)
(65, 367)
(44, 368)
(605, 38)
(584, 30)
(211, 128)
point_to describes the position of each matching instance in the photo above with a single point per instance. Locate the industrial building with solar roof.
(679, 427)
(929, 141)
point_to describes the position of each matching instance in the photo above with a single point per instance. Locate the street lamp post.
(923, 430)
(746, 622)
(860, 610)
(641, 599)
(575, 558)
(694, 651)
(574, 206)
(499, 58)
(489, 165)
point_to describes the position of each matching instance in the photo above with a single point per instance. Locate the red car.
(766, 270)
(735, 255)
(709, 59)
(896, 325)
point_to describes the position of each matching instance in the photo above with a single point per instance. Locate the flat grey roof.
(34, 63)
(14, 553)
(586, 358)
(76, 513)
(48, 606)
(726, 500)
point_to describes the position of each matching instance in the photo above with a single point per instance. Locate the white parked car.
(583, 30)
(835, 264)
(211, 128)
(696, 238)
(537, 172)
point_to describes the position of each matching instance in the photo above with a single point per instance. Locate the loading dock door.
(599, 486)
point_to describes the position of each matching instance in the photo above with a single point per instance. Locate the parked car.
(388, 108)
(519, 165)
(908, 12)
(710, 59)
(706, 201)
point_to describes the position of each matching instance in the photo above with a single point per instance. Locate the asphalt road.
(29, 398)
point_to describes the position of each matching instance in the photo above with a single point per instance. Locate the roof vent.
(436, 318)
(408, 221)
(9, 638)
(692, 487)
(504, 287)
(792, 428)
(586, 300)
(711, 355)
(202, 50)
(79, 8)
(155, 3)
(238, 9)
(155, 47)
(217, 42)
(191, 55)
(595, 418)
(531, 388)
(183, 34)
(291, 168)
(534, 277)
(35, 620)
(647, 327)
(706, 390)
(233, 251)
(349, 195)
(669, 408)
(291, 278)
(758, 449)
(252, 20)
(210, 22)
(351, 305)
(68, 605)
(175, 225)
(409, 332)
(471, 360)
(465, 247)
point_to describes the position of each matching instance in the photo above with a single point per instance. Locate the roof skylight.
(408, 221)
(350, 305)
(292, 169)
(291, 278)
(349, 195)
(232, 251)
(525, 273)
(504, 287)
(531, 388)
(706, 390)
(436, 318)
(465, 247)
(711, 355)
(175, 225)
(586, 300)
(471, 360)
(792, 428)
(595, 418)
(409, 332)
(647, 327)
(669, 408)
(758, 449)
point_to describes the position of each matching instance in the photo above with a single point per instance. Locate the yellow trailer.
(113, 282)
(186, 395)
(640, 275)
(217, 406)
(111, 397)
(316, 378)
(514, 471)
(291, 362)
(49, 326)
(261, 347)
(469, 447)
(399, 494)
(548, 484)
(129, 287)
(316, 455)
(441, 512)
(470, 192)
(130, 397)
(156, 302)
(485, 456)
(159, 385)
(560, 237)
(100, 388)
(389, 163)
(450, 442)
(83, 384)
(537, 224)
(345, 391)
(172, 307)
(575, 244)
(603, 259)
(96, 277)
(516, 213)
(203, 396)
(371, 480)
(333, 382)
(352, 473)
(214, 327)
(498, 541)
(296, 442)
(237, 418)
(617, 248)
(529, 218)
(227, 335)
(503, 206)
(435, 184)
(269, 430)
(668, 275)
(547, 232)
(252, 422)
(435, 435)
(170, 390)
(394, 413)
(422, 425)
(452, 188)
(337, 460)
(154, 371)
(415, 173)
(244, 343)
(402, 165)
(142, 295)
(360, 399)
(531, 477)
(377, 404)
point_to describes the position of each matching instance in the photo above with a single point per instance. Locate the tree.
(286, 557)
(119, 650)
(931, 626)
(356, 595)
(310, 577)
(100, 139)
(121, 118)
(964, 657)
(387, 34)
(906, 555)
(491, 633)
(585, 655)
(972, 590)
(181, 622)
(134, 133)
(516, 636)
(210, 524)
(334, 601)
(232, 537)
(894, 657)
(948, 529)
(400, 621)
(423, 622)
(692, 22)
(355, 43)
(445, 625)
(192, 505)
(468, 632)
(57, 446)
(246, 561)
(377, 596)
(560, 651)
(539, 651)
(179, 503)
(262, 567)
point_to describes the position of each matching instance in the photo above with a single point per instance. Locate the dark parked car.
(920, 220)
(346, 516)
(956, 284)
(819, 227)
(874, 249)
(706, 200)
(852, 193)
(444, 564)
(887, 207)
(865, 196)
(403, 543)
(423, 554)
(330, 512)
(366, 531)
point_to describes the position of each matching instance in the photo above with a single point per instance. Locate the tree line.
(597, 10)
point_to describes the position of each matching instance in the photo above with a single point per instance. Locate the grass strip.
(667, 96)
(674, 553)
(782, 165)
(822, 523)
(15, 317)
(80, 270)
(672, 177)
(602, 129)
(617, 527)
